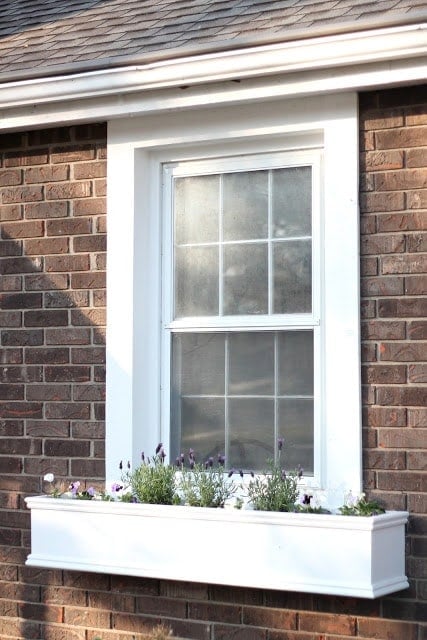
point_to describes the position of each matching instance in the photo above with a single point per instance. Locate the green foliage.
(361, 507)
(205, 486)
(275, 490)
(153, 482)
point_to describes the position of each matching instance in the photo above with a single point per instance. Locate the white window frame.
(137, 151)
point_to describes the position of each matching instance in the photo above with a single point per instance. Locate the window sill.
(330, 554)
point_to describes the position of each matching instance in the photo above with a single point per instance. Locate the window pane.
(251, 428)
(245, 279)
(296, 426)
(198, 423)
(296, 363)
(251, 363)
(196, 209)
(245, 207)
(292, 202)
(196, 281)
(292, 276)
(198, 361)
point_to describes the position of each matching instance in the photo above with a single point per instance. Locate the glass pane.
(292, 202)
(198, 423)
(251, 432)
(296, 363)
(245, 205)
(251, 363)
(196, 209)
(245, 279)
(292, 276)
(296, 426)
(198, 361)
(196, 281)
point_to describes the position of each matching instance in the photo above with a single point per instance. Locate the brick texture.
(52, 372)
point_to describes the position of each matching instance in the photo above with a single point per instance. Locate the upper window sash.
(227, 166)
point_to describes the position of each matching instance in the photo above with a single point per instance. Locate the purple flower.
(162, 454)
(128, 464)
(159, 446)
(74, 487)
(283, 474)
(252, 474)
(192, 463)
(90, 491)
(121, 465)
(221, 459)
(241, 473)
(142, 456)
(280, 443)
(178, 462)
(116, 487)
(230, 473)
(300, 472)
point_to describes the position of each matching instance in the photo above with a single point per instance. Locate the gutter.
(360, 48)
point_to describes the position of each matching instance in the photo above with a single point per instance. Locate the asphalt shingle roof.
(41, 37)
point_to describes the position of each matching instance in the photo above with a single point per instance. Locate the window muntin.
(242, 263)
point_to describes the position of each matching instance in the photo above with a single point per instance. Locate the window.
(233, 304)
(241, 320)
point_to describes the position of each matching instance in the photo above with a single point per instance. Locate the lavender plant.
(275, 490)
(205, 485)
(153, 481)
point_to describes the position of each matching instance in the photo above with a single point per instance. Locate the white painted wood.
(138, 148)
(337, 555)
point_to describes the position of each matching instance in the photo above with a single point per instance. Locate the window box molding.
(329, 554)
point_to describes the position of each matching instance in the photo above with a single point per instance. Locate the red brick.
(72, 153)
(100, 187)
(68, 336)
(67, 263)
(383, 286)
(380, 374)
(48, 428)
(417, 330)
(43, 282)
(382, 160)
(45, 355)
(11, 392)
(21, 374)
(22, 337)
(415, 285)
(28, 158)
(404, 264)
(88, 393)
(406, 396)
(84, 317)
(11, 356)
(403, 351)
(368, 266)
(327, 623)
(89, 170)
(47, 173)
(11, 283)
(416, 199)
(68, 226)
(407, 221)
(60, 448)
(68, 190)
(402, 308)
(10, 319)
(11, 212)
(46, 318)
(402, 481)
(46, 246)
(88, 469)
(92, 280)
(21, 410)
(382, 244)
(54, 393)
(67, 374)
(14, 230)
(378, 459)
(390, 629)
(21, 265)
(11, 195)
(398, 180)
(92, 206)
(417, 417)
(46, 210)
(10, 248)
(416, 242)
(148, 605)
(416, 158)
(371, 120)
(383, 330)
(417, 460)
(67, 411)
(378, 202)
(101, 224)
(90, 243)
(20, 300)
(10, 177)
(68, 299)
(402, 438)
(400, 138)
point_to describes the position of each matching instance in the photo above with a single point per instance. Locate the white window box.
(332, 554)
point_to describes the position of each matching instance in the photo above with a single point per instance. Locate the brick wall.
(52, 317)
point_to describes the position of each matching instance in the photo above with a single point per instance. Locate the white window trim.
(136, 150)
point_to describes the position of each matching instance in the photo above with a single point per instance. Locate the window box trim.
(329, 554)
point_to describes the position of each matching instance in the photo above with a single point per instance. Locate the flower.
(49, 477)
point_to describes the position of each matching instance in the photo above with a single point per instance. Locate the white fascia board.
(333, 63)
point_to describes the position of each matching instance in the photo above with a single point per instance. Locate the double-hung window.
(241, 323)
(233, 287)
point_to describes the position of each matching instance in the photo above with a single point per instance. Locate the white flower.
(49, 477)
